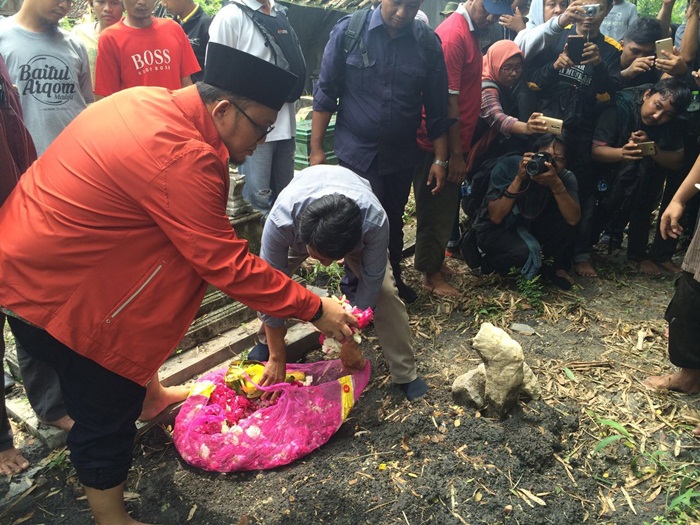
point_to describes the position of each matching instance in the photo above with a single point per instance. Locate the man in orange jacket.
(111, 237)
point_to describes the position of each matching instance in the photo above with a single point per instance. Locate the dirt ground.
(597, 448)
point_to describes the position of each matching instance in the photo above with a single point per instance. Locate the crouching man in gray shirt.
(330, 213)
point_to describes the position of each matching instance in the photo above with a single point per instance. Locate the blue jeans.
(267, 172)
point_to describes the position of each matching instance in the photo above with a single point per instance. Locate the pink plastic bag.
(219, 430)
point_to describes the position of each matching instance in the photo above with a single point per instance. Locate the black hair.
(331, 225)
(545, 139)
(210, 94)
(676, 89)
(643, 31)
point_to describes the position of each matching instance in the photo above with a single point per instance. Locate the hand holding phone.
(664, 45)
(574, 48)
(648, 148)
(554, 125)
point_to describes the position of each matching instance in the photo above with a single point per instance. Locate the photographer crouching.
(529, 214)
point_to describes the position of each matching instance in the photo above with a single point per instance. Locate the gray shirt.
(51, 72)
(280, 235)
(618, 20)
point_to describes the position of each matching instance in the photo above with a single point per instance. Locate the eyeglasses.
(263, 131)
(511, 69)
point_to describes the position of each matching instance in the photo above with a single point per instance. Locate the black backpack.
(286, 52)
(431, 46)
(473, 194)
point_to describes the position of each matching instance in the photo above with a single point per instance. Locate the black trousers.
(683, 316)
(392, 190)
(104, 406)
(504, 249)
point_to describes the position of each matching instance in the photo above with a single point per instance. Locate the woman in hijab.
(502, 69)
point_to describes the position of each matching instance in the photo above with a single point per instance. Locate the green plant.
(327, 277)
(683, 509)
(59, 460)
(531, 290)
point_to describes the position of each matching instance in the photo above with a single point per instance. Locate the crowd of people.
(558, 126)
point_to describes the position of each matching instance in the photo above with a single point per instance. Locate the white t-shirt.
(233, 28)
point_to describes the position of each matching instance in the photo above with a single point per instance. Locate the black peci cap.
(247, 76)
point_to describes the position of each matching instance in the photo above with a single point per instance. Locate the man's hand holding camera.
(541, 169)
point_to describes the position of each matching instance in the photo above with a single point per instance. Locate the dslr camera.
(536, 165)
(591, 11)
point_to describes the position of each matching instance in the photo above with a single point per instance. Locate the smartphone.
(575, 48)
(664, 45)
(648, 148)
(554, 125)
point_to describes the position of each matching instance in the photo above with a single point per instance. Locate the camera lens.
(537, 164)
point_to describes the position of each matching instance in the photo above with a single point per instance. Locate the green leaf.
(606, 441)
(569, 374)
(615, 425)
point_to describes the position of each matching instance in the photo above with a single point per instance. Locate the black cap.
(247, 76)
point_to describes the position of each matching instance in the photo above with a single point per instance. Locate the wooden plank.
(20, 410)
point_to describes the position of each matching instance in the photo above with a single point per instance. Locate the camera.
(536, 165)
(591, 11)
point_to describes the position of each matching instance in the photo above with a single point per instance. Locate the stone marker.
(496, 385)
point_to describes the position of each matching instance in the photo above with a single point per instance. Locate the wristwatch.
(318, 314)
(441, 163)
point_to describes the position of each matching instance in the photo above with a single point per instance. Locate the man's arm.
(689, 39)
(84, 75)
(186, 81)
(319, 126)
(669, 224)
(568, 207)
(457, 166)
(107, 69)
(437, 173)
(500, 207)
(331, 78)
(669, 159)
(664, 16)
(276, 367)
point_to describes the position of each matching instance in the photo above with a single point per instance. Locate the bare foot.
(64, 423)
(564, 275)
(648, 267)
(158, 398)
(585, 269)
(696, 431)
(436, 284)
(686, 380)
(670, 266)
(12, 462)
(447, 270)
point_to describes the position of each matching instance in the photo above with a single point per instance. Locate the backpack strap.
(352, 34)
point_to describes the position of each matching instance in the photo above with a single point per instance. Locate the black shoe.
(9, 382)
(406, 293)
(260, 352)
(415, 389)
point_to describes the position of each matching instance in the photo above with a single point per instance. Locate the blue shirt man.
(379, 91)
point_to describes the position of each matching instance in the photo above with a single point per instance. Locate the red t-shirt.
(158, 55)
(463, 59)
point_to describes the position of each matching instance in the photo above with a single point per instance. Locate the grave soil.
(430, 461)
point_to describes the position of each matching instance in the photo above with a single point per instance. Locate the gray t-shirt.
(618, 20)
(52, 74)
